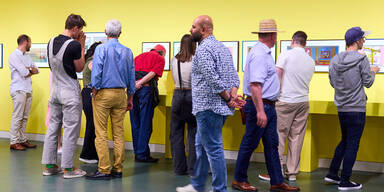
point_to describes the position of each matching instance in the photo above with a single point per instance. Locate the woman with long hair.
(88, 153)
(181, 111)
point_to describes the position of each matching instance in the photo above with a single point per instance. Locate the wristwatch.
(229, 98)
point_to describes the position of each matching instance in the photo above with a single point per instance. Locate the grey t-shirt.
(185, 70)
(298, 69)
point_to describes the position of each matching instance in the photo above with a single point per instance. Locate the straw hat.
(267, 26)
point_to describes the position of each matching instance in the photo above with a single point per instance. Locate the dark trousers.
(352, 126)
(181, 113)
(141, 121)
(251, 140)
(89, 149)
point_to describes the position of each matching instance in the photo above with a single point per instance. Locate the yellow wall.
(168, 20)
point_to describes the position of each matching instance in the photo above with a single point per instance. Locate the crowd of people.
(275, 105)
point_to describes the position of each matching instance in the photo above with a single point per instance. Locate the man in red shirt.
(148, 68)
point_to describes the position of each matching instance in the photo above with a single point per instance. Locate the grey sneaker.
(74, 173)
(52, 171)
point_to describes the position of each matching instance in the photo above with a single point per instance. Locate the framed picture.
(374, 49)
(92, 37)
(39, 55)
(147, 46)
(176, 48)
(233, 47)
(1, 55)
(247, 46)
(321, 51)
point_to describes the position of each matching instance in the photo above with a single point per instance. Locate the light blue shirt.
(261, 68)
(212, 72)
(113, 67)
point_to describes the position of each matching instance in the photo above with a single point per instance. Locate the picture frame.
(1, 55)
(147, 46)
(247, 46)
(321, 51)
(92, 37)
(176, 47)
(233, 47)
(39, 54)
(374, 49)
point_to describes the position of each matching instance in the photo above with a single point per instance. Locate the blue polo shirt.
(261, 68)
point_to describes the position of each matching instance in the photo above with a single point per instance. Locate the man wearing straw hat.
(261, 86)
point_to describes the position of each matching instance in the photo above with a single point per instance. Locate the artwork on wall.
(147, 46)
(92, 37)
(176, 48)
(321, 51)
(374, 49)
(247, 46)
(233, 47)
(1, 55)
(39, 55)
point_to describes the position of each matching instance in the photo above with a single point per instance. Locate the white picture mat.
(234, 45)
(39, 54)
(378, 57)
(284, 44)
(250, 44)
(147, 46)
(1, 55)
(176, 48)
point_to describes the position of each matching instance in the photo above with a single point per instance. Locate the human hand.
(33, 70)
(81, 39)
(375, 69)
(129, 105)
(94, 92)
(261, 119)
(239, 101)
(138, 85)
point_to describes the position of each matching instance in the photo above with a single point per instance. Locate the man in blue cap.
(349, 73)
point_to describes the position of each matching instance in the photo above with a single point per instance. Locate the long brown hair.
(187, 49)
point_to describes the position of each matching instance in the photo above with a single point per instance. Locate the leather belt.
(146, 84)
(265, 101)
(183, 89)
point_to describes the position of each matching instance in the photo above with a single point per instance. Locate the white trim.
(256, 157)
(158, 148)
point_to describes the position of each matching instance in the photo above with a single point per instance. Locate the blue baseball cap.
(354, 34)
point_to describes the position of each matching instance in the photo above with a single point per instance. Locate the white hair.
(113, 28)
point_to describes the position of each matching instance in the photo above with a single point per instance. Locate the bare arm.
(145, 79)
(79, 63)
(256, 91)
(280, 73)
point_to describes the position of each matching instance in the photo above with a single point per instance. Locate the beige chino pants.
(109, 103)
(22, 102)
(291, 124)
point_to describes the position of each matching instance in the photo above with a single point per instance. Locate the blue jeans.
(209, 152)
(141, 121)
(251, 140)
(352, 126)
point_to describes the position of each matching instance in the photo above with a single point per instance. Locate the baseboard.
(158, 148)
(256, 157)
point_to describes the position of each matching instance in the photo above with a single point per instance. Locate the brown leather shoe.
(243, 186)
(284, 187)
(28, 145)
(17, 146)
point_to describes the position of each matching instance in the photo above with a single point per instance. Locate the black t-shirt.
(73, 52)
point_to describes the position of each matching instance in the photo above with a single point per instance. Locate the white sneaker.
(74, 173)
(188, 188)
(264, 177)
(59, 151)
(89, 161)
(291, 177)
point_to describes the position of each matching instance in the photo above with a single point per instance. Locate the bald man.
(214, 97)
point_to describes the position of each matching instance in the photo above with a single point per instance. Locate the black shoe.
(115, 174)
(349, 185)
(147, 160)
(332, 179)
(99, 176)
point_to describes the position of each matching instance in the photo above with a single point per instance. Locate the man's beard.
(28, 49)
(197, 36)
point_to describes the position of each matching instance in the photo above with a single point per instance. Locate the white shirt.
(298, 68)
(18, 63)
(185, 70)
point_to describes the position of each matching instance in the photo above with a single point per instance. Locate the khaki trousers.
(291, 124)
(22, 102)
(109, 103)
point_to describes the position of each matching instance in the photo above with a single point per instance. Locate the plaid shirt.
(212, 72)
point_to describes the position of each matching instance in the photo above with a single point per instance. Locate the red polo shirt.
(150, 61)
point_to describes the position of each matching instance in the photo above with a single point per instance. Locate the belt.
(265, 101)
(146, 84)
(183, 89)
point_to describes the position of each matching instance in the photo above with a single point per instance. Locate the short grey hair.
(113, 28)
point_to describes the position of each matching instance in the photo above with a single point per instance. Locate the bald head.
(202, 27)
